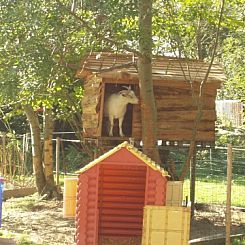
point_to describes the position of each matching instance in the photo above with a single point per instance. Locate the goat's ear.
(129, 87)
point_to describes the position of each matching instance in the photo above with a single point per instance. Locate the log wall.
(90, 106)
(177, 111)
(176, 106)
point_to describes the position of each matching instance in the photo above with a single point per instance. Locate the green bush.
(74, 158)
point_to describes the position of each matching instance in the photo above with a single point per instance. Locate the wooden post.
(4, 164)
(57, 160)
(228, 197)
(193, 182)
(63, 157)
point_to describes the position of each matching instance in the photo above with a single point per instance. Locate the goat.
(116, 106)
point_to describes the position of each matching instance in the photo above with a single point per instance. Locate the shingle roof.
(131, 149)
(163, 68)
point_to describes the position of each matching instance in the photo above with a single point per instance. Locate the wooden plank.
(208, 115)
(173, 125)
(172, 103)
(100, 118)
(179, 135)
(162, 66)
(164, 90)
(19, 192)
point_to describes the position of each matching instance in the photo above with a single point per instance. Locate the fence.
(211, 193)
(210, 181)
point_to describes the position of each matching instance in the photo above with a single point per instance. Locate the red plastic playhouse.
(112, 192)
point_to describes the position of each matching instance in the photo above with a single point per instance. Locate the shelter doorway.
(111, 88)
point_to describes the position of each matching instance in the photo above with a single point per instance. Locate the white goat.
(116, 106)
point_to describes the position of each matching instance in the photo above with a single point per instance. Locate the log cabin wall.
(174, 82)
(177, 109)
(91, 103)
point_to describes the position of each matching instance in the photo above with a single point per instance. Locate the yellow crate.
(166, 225)
(174, 194)
(69, 197)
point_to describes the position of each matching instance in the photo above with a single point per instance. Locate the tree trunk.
(48, 151)
(36, 147)
(148, 105)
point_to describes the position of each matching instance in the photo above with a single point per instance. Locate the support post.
(193, 182)
(228, 195)
(57, 160)
(4, 164)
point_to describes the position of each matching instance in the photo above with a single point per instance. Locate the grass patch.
(23, 203)
(214, 192)
(21, 239)
(238, 242)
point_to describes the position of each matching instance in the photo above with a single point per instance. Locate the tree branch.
(200, 103)
(95, 32)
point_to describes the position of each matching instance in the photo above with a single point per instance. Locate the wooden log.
(178, 101)
(178, 135)
(57, 160)
(161, 91)
(208, 115)
(173, 125)
(157, 77)
(19, 192)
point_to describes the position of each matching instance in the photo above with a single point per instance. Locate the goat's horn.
(128, 88)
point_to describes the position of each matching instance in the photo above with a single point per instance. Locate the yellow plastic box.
(174, 194)
(166, 225)
(69, 197)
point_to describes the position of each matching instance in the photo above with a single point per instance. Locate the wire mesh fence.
(211, 193)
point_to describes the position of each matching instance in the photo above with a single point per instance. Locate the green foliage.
(186, 28)
(230, 136)
(38, 39)
(75, 158)
(34, 39)
(115, 19)
(238, 241)
(234, 61)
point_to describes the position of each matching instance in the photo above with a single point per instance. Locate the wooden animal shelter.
(112, 192)
(176, 85)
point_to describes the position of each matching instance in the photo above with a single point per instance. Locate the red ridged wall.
(111, 197)
(87, 208)
(121, 199)
(156, 186)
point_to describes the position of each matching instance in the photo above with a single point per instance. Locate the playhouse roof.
(121, 66)
(131, 149)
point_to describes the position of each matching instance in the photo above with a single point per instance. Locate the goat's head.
(129, 95)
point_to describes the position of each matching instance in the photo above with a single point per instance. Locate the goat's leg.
(120, 120)
(111, 119)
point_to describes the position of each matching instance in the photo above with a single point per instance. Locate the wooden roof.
(131, 149)
(120, 66)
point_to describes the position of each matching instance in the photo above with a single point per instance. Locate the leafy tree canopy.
(38, 38)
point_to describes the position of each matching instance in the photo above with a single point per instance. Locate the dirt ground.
(42, 222)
